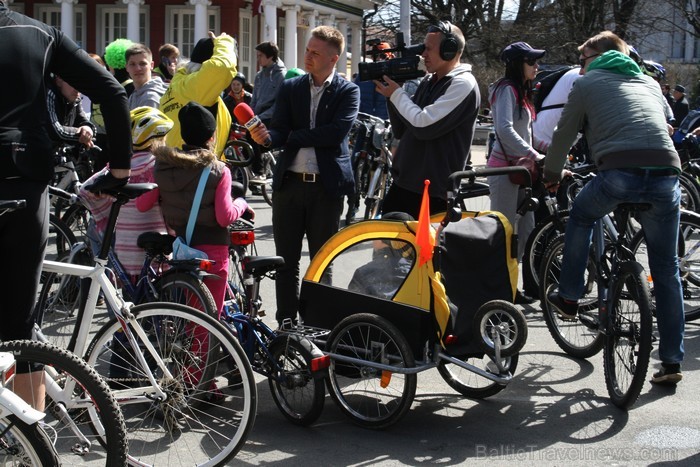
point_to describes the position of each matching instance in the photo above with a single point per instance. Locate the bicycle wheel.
(23, 444)
(56, 309)
(61, 238)
(507, 322)
(77, 218)
(298, 395)
(208, 412)
(85, 424)
(270, 163)
(240, 175)
(577, 337)
(688, 259)
(690, 195)
(371, 397)
(470, 384)
(185, 289)
(628, 343)
(375, 195)
(536, 246)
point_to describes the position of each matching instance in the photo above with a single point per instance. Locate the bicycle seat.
(155, 243)
(258, 266)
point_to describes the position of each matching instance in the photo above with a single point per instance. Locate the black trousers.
(300, 208)
(401, 200)
(23, 238)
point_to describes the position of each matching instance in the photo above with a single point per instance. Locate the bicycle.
(294, 365)
(22, 440)
(372, 164)
(619, 318)
(235, 153)
(82, 417)
(161, 279)
(163, 366)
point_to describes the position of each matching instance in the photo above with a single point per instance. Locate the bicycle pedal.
(261, 313)
(590, 322)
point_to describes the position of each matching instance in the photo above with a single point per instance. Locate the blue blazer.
(335, 115)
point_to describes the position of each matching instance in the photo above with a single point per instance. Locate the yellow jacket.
(204, 87)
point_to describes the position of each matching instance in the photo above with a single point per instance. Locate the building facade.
(93, 24)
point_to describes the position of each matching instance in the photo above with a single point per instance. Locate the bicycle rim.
(571, 335)
(185, 289)
(371, 397)
(211, 395)
(23, 444)
(90, 408)
(298, 395)
(628, 343)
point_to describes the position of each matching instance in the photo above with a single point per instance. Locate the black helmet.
(240, 77)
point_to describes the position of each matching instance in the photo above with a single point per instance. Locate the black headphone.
(449, 45)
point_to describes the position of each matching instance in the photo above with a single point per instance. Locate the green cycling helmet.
(294, 72)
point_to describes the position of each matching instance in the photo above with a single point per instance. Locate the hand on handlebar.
(552, 187)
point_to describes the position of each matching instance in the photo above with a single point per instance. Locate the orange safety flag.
(425, 237)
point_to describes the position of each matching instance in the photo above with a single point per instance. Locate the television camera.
(407, 64)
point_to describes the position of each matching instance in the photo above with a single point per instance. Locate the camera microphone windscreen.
(245, 115)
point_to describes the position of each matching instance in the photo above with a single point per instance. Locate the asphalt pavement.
(555, 412)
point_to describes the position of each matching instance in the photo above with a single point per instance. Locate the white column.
(311, 19)
(290, 35)
(327, 20)
(200, 18)
(270, 27)
(342, 64)
(67, 17)
(132, 19)
(357, 48)
(405, 20)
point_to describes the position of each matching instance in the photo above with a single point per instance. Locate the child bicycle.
(379, 343)
(293, 364)
(620, 318)
(172, 353)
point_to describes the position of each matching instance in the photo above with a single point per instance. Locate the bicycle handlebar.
(232, 159)
(12, 205)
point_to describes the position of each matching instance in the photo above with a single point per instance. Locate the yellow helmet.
(148, 123)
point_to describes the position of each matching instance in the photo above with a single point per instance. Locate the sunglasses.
(582, 61)
(530, 61)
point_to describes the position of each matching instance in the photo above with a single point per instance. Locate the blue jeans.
(660, 225)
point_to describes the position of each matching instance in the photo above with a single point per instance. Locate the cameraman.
(436, 126)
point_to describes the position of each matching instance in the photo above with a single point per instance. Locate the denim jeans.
(660, 225)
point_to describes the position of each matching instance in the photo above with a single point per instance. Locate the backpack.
(544, 82)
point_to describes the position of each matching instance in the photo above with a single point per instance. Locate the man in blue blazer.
(313, 116)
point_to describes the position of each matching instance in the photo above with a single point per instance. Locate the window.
(179, 27)
(245, 45)
(113, 23)
(280, 36)
(51, 15)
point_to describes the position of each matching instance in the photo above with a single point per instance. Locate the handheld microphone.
(245, 115)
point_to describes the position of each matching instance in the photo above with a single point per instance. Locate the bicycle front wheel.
(371, 397)
(577, 337)
(83, 420)
(536, 247)
(211, 397)
(22, 444)
(298, 395)
(628, 343)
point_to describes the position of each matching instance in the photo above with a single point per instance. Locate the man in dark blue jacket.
(313, 116)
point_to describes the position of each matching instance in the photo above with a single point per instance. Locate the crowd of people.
(178, 115)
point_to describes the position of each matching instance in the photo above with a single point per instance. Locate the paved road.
(555, 412)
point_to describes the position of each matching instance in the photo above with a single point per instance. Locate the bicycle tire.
(471, 385)
(185, 289)
(77, 218)
(689, 261)
(92, 407)
(299, 396)
(508, 322)
(209, 420)
(266, 188)
(535, 248)
(690, 193)
(240, 175)
(60, 240)
(371, 398)
(628, 344)
(572, 336)
(24, 444)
